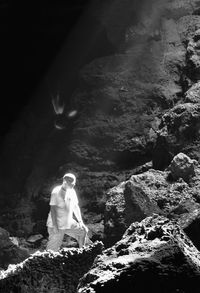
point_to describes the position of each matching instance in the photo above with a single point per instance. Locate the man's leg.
(78, 233)
(55, 239)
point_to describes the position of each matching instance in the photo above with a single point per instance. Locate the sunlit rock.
(50, 271)
(154, 255)
(193, 94)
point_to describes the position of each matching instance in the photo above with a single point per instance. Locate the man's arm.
(77, 213)
(54, 216)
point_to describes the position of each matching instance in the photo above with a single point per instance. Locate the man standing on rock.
(63, 205)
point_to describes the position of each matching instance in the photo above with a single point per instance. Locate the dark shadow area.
(31, 33)
(192, 232)
(128, 159)
(160, 272)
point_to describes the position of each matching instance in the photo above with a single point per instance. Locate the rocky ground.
(152, 256)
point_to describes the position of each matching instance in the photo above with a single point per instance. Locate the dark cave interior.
(31, 34)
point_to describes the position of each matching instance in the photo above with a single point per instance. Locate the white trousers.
(55, 239)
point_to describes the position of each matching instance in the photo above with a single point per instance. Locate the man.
(63, 205)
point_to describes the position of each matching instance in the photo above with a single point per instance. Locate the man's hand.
(82, 226)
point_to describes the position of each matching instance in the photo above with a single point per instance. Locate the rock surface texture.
(154, 191)
(126, 122)
(49, 271)
(131, 105)
(154, 255)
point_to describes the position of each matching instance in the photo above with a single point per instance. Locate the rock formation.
(127, 123)
(154, 191)
(154, 255)
(50, 271)
(133, 104)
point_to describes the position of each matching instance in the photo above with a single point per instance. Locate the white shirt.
(64, 202)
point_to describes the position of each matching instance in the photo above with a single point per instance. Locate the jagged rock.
(162, 153)
(180, 8)
(114, 219)
(179, 128)
(187, 25)
(187, 215)
(182, 167)
(191, 226)
(193, 94)
(50, 271)
(141, 196)
(119, 95)
(193, 56)
(14, 240)
(10, 253)
(154, 255)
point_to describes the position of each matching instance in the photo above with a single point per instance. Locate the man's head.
(70, 179)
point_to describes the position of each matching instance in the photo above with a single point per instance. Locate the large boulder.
(154, 255)
(151, 192)
(127, 202)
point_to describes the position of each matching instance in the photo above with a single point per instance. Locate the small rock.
(35, 240)
(14, 240)
(181, 167)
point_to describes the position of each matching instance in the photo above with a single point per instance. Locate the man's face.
(68, 182)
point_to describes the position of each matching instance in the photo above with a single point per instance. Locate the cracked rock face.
(154, 191)
(154, 255)
(50, 271)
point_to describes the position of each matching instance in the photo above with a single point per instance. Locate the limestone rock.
(182, 167)
(154, 255)
(50, 271)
